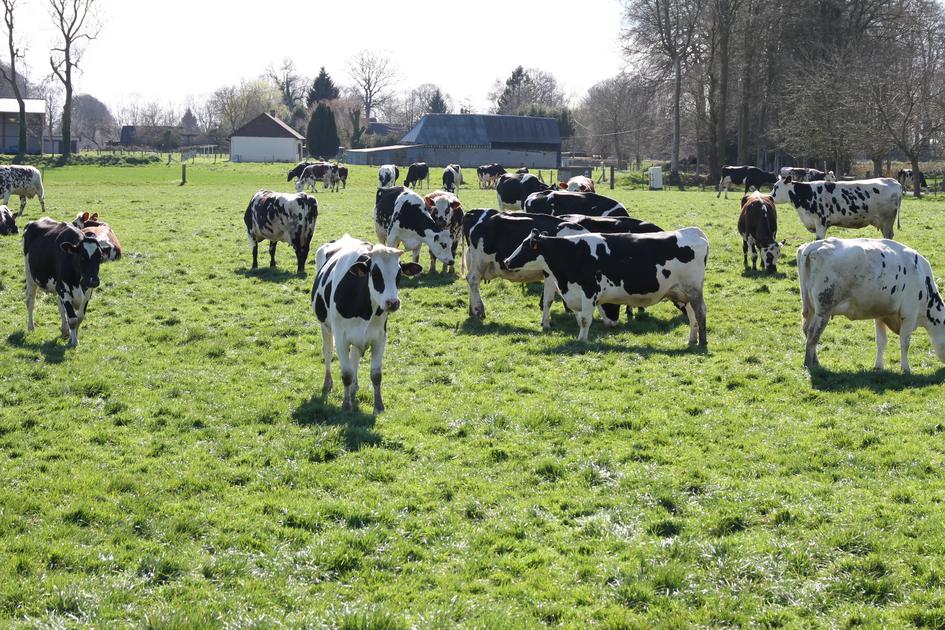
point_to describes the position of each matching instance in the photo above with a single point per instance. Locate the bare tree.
(374, 77)
(664, 28)
(9, 6)
(290, 84)
(75, 23)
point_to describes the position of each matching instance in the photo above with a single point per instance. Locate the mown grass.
(180, 469)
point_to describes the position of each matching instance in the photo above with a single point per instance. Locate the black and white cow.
(560, 202)
(447, 211)
(632, 269)
(865, 278)
(355, 290)
(311, 175)
(400, 216)
(416, 174)
(800, 174)
(904, 176)
(452, 178)
(7, 222)
(758, 227)
(387, 175)
(25, 181)
(748, 175)
(521, 171)
(855, 204)
(578, 183)
(343, 176)
(512, 190)
(489, 174)
(281, 217)
(297, 170)
(60, 259)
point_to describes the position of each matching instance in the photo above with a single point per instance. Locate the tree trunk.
(677, 96)
(916, 180)
(720, 121)
(66, 143)
(744, 113)
(878, 166)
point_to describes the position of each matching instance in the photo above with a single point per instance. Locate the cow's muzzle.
(391, 306)
(91, 283)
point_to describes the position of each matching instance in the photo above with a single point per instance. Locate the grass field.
(179, 468)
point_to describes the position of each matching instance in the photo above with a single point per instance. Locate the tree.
(373, 77)
(357, 129)
(664, 29)
(523, 88)
(322, 134)
(288, 82)
(189, 121)
(74, 23)
(235, 105)
(562, 114)
(323, 89)
(9, 6)
(437, 104)
(92, 120)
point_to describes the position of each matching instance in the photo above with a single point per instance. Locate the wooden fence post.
(611, 177)
(183, 174)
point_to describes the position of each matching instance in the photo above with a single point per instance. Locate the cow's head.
(442, 208)
(86, 258)
(7, 222)
(383, 269)
(771, 254)
(528, 255)
(441, 245)
(781, 190)
(830, 177)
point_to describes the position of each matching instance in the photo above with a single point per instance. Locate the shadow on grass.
(645, 350)
(358, 427)
(874, 380)
(52, 350)
(477, 327)
(270, 274)
(762, 274)
(425, 279)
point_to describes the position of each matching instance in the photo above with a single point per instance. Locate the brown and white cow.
(578, 183)
(92, 226)
(758, 227)
(447, 212)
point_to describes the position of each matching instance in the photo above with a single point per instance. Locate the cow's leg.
(377, 360)
(301, 254)
(882, 338)
(71, 318)
(605, 314)
(22, 204)
(42, 202)
(272, 253)
(343, 350)
(433, 263)
(905, 336)
(416, 254)
(815, 328)
(328, 383)
(29, 294)
(887, 229)
(696, 311)
(476, 306)
(745, 252)
(584, 316)
(255, 255)
(754, 256)
(547, 299)
(355, 361)
(820, 232)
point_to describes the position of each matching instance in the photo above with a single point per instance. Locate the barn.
(441, 139)
(266, 139)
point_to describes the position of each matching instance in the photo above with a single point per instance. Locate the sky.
(171, 50)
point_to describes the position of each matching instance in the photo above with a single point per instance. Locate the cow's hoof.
(378, 409)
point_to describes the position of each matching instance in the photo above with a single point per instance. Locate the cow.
(748, 175)
(7, 222)
(830, 177)
(633, 269)
(452, 178)
(800, 174)
(297, 170)
(25, 181)
(92, 226)
(855, 204)
(343, 176)
(904, 177)
(578, 183)
(416, 174)
(311, 175)
(560, 202)
(355, 290)
(865, 278)
(60, 259)
(447, 212)
(387, 175)
(489, 174)
(281, 217)
(400, 216)
(758, 227)
(522, 171)
(512, 190)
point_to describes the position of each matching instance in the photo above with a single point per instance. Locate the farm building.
(10, 124)
(266, 139)
(471, 139)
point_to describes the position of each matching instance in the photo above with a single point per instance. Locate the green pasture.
(180, 468)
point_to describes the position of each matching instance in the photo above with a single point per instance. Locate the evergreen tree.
(322, 134)
(437, 104)
(323, 89)
(189, 121)
(513, 95)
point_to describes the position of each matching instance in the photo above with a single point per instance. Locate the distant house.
(266, 139)
(376, 128)
(471, 140)
(10, 125)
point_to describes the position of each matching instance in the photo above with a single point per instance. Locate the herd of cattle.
(582, 246)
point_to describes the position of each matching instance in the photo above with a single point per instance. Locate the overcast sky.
(169, 50)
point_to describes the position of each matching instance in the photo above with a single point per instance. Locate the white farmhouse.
(266, 139)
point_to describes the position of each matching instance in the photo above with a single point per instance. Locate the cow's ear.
(456, 205)
(68, 247)
(428, 201)
(410, 268)
(94, 217)
(359, 269)
(562, 186)
(85, 217)
(533, 233)
(787, 180)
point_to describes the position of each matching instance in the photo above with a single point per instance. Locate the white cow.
(865, 278)
(355, 290)
(579, 183)
(25, 181)
(855, 204)
(387, 175)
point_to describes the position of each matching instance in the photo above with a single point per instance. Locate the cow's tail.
(899, 211)
(803, 277)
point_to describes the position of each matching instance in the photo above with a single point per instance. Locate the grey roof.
(483, 129)
(267, 126)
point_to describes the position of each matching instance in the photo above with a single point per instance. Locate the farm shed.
(10, 124)
(266, 139)
(470, 140)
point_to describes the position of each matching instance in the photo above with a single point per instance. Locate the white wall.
(249, 149)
